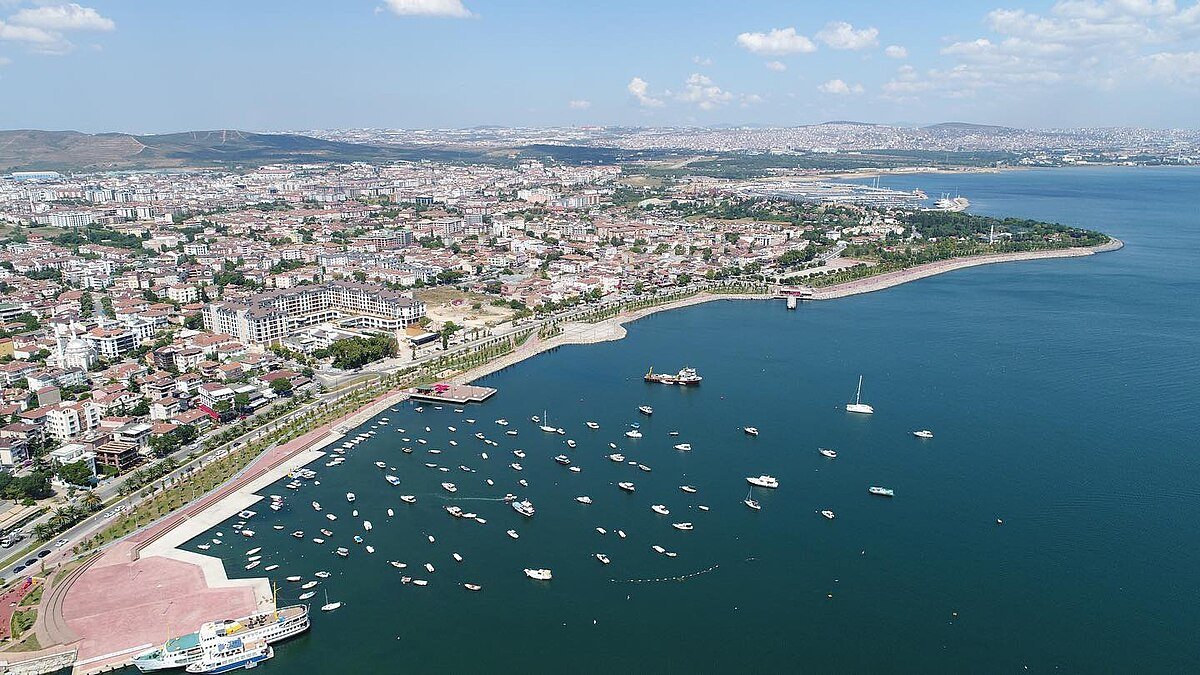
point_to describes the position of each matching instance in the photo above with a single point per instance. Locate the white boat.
(828, 452)
(584, 499)
(451, 429)
(574, 469)
(420, 582)
(511, 432)
(702, 507)
(429, 567)
(329, 606)
(682, 526)
(750, 431)
(592, 425)
(643, 467)
(763, 481)
(658, 549)
(330, 516)
(449, 487)
(309, 584)
(502, 422)
(563, 459)
(513, 534)
(234, 654)
(570, 443)
(342, 551)
(408, 499)
(645, 410)
(394, 480)
(252, 565)
(625, 485)
(367, 525)
(254, 550)
(751, 502)
(457, 557)
(430, 538)
(602, 558)
(683, 446)
(881, 491)
(270, 568)
(621, 533)
(516, 467)
(828, 514)
(858, 406)
(660, 509)
(321, 575)
(545, 426)
(923, 433)
(293, 578)
(380, 465)
(539, 574)
(688, 489)
(633, 433)
(307, 594)
(617, 457)
(318, 540)
(350, 496)
(524, 507)
(519, 454)
(472, 587)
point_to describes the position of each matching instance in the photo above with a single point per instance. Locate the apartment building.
(68, 420)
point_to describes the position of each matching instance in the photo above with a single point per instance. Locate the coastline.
(890, 279)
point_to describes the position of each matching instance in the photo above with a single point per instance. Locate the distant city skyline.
(162, 67)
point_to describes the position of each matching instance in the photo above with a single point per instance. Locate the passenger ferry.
(185, 650)
(233, 655)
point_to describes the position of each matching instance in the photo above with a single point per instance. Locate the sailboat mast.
(858, 394)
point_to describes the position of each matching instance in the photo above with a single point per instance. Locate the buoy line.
(683, 577)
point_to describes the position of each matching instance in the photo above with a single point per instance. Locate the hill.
(27, 149)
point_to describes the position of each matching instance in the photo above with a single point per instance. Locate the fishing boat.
(687, 377)
(923, 433)
(881, 491)
(645, 410)
(685, 447)
(750, 431)
(830, 453)
(524, 507)
(625, 485)
(660, 509)
(602, 558)
(763, 481)
(682, 526)
(539, 574)
(858, 406)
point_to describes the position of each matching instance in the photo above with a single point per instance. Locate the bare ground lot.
(450, 304)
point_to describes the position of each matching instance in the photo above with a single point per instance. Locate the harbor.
(449, 392)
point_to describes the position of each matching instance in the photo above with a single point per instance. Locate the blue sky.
(260, 65)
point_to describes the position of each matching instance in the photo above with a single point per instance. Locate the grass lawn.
(34, 597)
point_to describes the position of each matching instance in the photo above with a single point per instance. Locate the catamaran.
(858, 406)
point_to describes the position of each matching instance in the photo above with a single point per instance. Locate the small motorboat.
(686, 527)
(645, 410)
(601, 530)
(342, 551)
(764, 481)
(397, 564)
(570, 443)
(408, 499)
(584, 499)
(449, 487)
(923, 433)
(308, 585)
(592, 425)
(602, 558)
(513, 534)
(457, 557)
(688, 489)
(660, 509)
(539, 574)
(321, 575)
(685, 447)
(625, 485)
(472, 587)
(307, 594)
(828, 514)
(750, 431)
(828, 452)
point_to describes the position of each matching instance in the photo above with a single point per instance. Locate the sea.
(1064, 397)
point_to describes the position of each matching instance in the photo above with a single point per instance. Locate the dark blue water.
(1063, 395)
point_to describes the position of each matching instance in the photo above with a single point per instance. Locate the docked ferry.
(684, 378)
(182, 651)
(233, 655)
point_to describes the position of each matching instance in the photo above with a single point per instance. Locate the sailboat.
(546, 424)
(329, 606)
(858, 406)
(751, 502)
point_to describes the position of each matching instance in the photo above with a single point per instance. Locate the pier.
(794, 294)
(445, 392)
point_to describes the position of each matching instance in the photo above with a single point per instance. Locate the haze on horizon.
(163, 67)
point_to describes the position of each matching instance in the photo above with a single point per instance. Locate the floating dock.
(444, 392)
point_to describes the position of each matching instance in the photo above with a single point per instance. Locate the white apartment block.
(68, 420)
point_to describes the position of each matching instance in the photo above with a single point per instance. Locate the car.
(43, 553)
(18, 568)
(31, 561)
(60, 543)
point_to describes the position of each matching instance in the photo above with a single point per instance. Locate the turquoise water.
(1063, 395)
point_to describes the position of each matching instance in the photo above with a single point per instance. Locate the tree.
(281, 385)
(448, 331)
(75, 473)
(141, 409)
(241, 401)
(86, 305)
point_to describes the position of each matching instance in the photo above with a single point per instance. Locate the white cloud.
(69, 17)
(777, 42)
(777, 66)
(702, 61)
(703, 92)
(579, 104)
(37, 39)
(4, 61)
(840, 88)
(1175, 68)
(841, 35)
(447, 8)
(895, 52)
(641, 91)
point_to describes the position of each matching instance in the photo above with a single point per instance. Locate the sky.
(270, 65)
